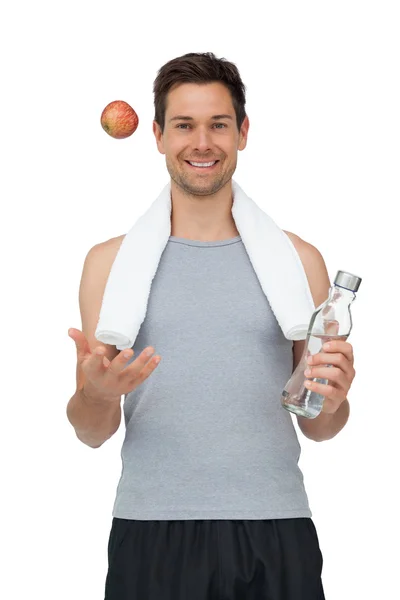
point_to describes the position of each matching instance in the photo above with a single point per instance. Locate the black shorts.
(276, 559)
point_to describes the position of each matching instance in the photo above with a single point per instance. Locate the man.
(211, 502)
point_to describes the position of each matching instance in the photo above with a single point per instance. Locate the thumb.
(81, 343)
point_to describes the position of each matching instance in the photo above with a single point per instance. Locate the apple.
(119, 119)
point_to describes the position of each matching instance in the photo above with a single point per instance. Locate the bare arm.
(325, 426)
(95, 408)
(94, 419)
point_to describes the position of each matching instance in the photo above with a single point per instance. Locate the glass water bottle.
(330, 321)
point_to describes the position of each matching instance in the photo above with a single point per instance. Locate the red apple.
(119, 119)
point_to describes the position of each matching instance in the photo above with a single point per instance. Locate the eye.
(187, 125)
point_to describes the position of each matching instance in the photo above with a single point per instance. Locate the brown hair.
(197, 67)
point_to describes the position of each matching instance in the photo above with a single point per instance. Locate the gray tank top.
(206, 436)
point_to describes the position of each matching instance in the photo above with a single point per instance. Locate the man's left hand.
(340, 376)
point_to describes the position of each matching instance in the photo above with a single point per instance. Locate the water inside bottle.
(305, 402)
(317, 340)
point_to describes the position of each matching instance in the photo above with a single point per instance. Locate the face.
(192, 133)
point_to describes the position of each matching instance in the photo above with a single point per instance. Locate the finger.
(97, 361)
(340, 346)
(337, 359)
(326, 390)
(146, 371)
(81, 343)
(119, 363)
(330, 373)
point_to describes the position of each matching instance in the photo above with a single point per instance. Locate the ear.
(159, 137)
(243, 133)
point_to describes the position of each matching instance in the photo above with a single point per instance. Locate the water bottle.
(330, 321)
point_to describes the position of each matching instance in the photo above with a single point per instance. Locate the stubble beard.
(207, 187)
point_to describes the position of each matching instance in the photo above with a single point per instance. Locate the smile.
(202, 166)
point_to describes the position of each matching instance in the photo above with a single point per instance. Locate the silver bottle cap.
(348, 281)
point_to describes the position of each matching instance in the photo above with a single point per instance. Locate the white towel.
(271, 252)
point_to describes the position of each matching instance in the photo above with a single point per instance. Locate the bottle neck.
(340, 293)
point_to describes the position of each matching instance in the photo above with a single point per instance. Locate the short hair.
(201, 68)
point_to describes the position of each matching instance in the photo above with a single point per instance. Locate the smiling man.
(211, 502)
(200, 139)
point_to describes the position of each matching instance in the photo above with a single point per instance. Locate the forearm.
(94, 420)
(325, 426)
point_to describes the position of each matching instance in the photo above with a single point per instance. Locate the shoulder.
(108, 250)
(314, 268)
(96, 270)
(99, 260)
(113, 243)
(302, 247)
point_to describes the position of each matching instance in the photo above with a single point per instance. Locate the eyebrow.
(185, 118)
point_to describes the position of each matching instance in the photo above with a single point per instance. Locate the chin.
(201, 189)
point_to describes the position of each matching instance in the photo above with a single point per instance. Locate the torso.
(112, 246)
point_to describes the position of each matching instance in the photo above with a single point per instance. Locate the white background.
(322, 160)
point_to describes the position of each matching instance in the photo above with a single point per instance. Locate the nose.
(201, 139)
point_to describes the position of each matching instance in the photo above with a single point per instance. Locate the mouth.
(202, 166)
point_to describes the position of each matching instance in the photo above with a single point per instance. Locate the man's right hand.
(105, 380)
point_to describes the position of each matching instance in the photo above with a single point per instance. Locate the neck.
(205, 218)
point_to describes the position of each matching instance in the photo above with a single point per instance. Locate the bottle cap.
(347, 280)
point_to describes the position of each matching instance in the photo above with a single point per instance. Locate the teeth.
(194, 164)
